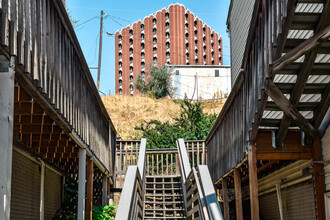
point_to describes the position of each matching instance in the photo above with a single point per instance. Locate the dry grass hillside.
(128, 111)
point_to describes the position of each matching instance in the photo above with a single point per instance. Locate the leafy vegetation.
(157, 83)
(191, 124)
(104, 212)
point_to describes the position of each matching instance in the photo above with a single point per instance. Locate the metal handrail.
(131, 200)
(197, 186)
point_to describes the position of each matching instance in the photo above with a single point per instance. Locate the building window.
(131, 69)
(204, 30)
(216, 73)
(155, 41)
(120, 73)
(131, 32)
(167, 45)
(195, 23)
(168, 55)
(119, 46)
(120, 91)
(120, 55)
(212, 62)
(167, 15)
(154, 21)
(187, 46)
(195, 33)
(131, 60)
(167, 25)
(167, 35)
(131, 41)
(142, 36)
(155, 51)
(142, 46)
(186, 16)
(120, 82)
(219, 41)
(120, 64)
(187, 55)
(155, 61)
(131, 78)
(142, 55)
(131, 50)
(142, 27)
(155, 31)
(204, 48)
(177, 72)
(196, 61)
(142, 64)
(196, 51)
(119, 36)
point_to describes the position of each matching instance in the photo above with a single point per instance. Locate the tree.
(157, 83)
(191, 124)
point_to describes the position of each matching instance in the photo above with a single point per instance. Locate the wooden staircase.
(163, 198)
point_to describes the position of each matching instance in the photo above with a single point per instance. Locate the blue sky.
(122, 13)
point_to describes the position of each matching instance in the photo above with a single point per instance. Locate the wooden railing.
(200, 198)
(239, 119)
(131, 201)
(50, 65)
(159, 162)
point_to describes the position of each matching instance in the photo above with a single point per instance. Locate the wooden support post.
(104, 190)
(89, 190)
(253, 181)
(318, 178)
(81, 184)
(42, 191)
(108, 192)
(7, 74)
(225, 199)
(238, 194)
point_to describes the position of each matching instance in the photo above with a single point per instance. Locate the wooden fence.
(159, 162)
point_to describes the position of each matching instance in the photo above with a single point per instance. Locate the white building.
(201, 82)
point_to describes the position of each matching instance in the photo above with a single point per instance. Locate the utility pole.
(100, 52)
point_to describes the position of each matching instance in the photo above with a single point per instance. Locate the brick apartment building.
(173, 35)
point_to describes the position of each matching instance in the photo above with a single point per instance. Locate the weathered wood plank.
(288, 108)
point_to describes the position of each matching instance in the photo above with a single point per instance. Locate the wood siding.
(297, 200)
(238, 24)
(25, 199)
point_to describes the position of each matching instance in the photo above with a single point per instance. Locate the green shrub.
(104, 212)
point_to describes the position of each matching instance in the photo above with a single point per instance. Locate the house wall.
(25, 196)
(204, 86)
(238, 24)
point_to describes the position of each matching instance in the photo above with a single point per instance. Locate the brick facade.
(173, 35)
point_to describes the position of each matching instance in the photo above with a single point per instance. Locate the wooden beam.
(296, 94)
(89, 190)
(288, 108)
(292, 147)
(238, 194)
(318, 178)
(253, 182)
(300, 50)
(225, 199)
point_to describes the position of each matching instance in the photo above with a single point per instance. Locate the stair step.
(161, 209)
(174, 188)
(165, 202)
(161, 217)
(162, 182)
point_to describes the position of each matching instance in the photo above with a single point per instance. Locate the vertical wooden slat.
(204, 154)
(167, 164)
(89, 189)
(157, 165)
(225, 199)
(253, 182)
(131, 154)
(152, 165)
(318, 178)
(120, 163)
(198, 152)
(238, 194)
(171, 171)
